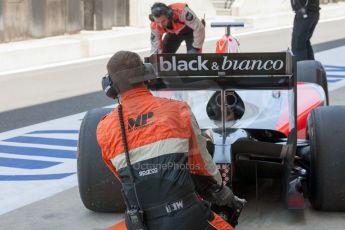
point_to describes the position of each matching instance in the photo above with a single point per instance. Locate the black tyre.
(99, 189)
(313, 72)
(326, 129)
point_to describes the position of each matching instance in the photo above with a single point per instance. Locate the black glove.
(225, 197)
(193, 51)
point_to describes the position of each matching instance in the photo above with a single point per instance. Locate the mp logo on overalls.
(174, 206)
(140, 121)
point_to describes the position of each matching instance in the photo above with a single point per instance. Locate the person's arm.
(156, 39)
(191, 20)
(103, 144)
(205, 174)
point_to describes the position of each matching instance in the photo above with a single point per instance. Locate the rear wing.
(213, 71)
(231, 71)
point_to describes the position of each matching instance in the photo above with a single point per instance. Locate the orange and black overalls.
(185, 26)
(169, 158)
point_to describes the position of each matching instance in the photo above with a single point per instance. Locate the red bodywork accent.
(221, 44)
(296, 202)
(308, 98)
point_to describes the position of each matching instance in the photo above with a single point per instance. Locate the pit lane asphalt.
(65, 210)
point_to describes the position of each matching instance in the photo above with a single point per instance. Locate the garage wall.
(109, 13)
(25, 19)
(13, 20)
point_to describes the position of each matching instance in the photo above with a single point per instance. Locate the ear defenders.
(127, 79)
(159, 9)
(108, 87)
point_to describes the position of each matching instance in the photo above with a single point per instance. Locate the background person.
(178, 23)
(306, 17)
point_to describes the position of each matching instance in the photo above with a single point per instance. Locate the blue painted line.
(334, 67)
(336, 76)
(19, 150)
(34, 177)
(26, 164)
(44, 141)
(55, 131)
(333, 80)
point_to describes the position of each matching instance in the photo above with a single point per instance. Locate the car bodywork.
(263, 116)
(262, 109)
(250, 108)
(249, 113)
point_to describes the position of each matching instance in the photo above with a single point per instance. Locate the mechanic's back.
(167, 154)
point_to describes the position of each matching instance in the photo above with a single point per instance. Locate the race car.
(262, 115)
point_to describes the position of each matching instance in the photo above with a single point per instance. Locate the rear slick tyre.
(99, 189)
(326, 129)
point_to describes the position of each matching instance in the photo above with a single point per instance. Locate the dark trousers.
(172, 42)
(303, 29)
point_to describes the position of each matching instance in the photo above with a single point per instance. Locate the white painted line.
(333, 57)
(335, 86)
(285, 27)
(54, 65)
(30, 157)
(63, 124)
(7, 143)
(54, 135)
(84, 60)
(13, 197)
(17, 192)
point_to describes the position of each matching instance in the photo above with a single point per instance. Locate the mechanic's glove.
(234, 205)
(225, 197)
(193, 51)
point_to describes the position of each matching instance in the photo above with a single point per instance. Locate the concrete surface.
(66, 211)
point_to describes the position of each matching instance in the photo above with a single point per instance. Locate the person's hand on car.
(225, 197)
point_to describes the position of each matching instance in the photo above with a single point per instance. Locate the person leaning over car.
(171, 165)
(306, 18)
(179, 23)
